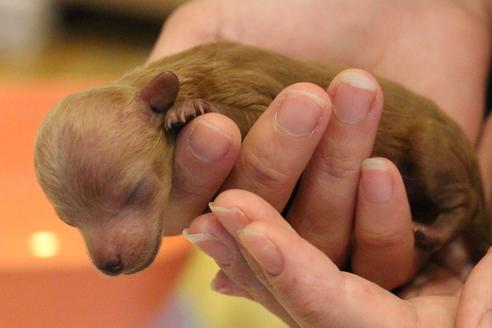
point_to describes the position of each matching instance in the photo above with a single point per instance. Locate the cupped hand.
(427, 46)
(327, 31)
(376, 230)
(331, 192)
(310, 289)
(300, 134)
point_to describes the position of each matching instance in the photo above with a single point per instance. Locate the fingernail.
(353, 96)
(216, 286)
(486, 321)
(211, 246)
(377, 184)
(299, 113)
(233, 219)
(262, 250)
(208, 143)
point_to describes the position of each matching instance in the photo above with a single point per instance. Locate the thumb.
(475, 309)
(311, 287)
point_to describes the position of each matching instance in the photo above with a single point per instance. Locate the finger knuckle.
(311, 310)
(182, 185)
(264, 171)
(339, 164)
(370, 238)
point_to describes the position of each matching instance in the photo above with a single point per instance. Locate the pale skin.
(332, 156)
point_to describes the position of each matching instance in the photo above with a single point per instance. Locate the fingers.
(224, 285)
(207, 233)
(281, 143)
(475, 309)
(193, 23)
(306, 283)
(384, 245)
(205, 152)
(326, 197)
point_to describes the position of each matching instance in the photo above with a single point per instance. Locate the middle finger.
(323, 209)
(281, 143)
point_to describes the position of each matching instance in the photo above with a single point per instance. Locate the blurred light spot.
(44, 244)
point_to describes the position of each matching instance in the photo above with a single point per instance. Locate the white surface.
(24, 24)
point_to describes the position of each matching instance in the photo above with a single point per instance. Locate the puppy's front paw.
(183, 112)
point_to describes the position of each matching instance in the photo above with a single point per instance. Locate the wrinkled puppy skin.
(104, 156)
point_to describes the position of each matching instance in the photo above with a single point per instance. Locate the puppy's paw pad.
(183, 112)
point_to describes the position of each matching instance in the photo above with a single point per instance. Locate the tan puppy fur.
(104, 158)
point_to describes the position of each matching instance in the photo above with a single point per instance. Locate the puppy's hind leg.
(443, 182)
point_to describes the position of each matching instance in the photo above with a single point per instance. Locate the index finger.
(206, 150)
(281, 142)
(324, 205)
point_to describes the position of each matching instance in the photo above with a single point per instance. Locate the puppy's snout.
(111, 266)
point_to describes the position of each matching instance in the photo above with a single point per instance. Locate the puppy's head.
(102, 159)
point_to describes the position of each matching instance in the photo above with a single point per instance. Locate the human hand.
(383, 247)
(310, 289)
(193, 190)
(383, 250)
(329, 158)
(326, 31)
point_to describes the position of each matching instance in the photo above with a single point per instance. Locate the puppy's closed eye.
(139, 195)
(136, 194)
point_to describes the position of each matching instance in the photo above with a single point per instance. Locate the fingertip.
(383, 172)
(204, 223)
(251, 207)
(238, 198)
(209, 145)
(224, 285)
(311, 90)
(376, 183)
(217, 126)
(359, 79)
(384, 243)
(302, 111)
(356, 77)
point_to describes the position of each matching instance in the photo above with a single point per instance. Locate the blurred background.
(49, 49)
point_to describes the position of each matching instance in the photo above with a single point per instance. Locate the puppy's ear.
(161, 92)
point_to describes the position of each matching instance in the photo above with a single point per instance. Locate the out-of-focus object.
(24, 25)
(148, 8)
(46, 277)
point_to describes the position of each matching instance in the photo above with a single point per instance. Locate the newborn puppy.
(104, 156)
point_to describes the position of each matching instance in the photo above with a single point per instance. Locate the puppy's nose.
(112, 266)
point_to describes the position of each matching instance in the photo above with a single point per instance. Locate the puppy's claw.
(183, 112)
